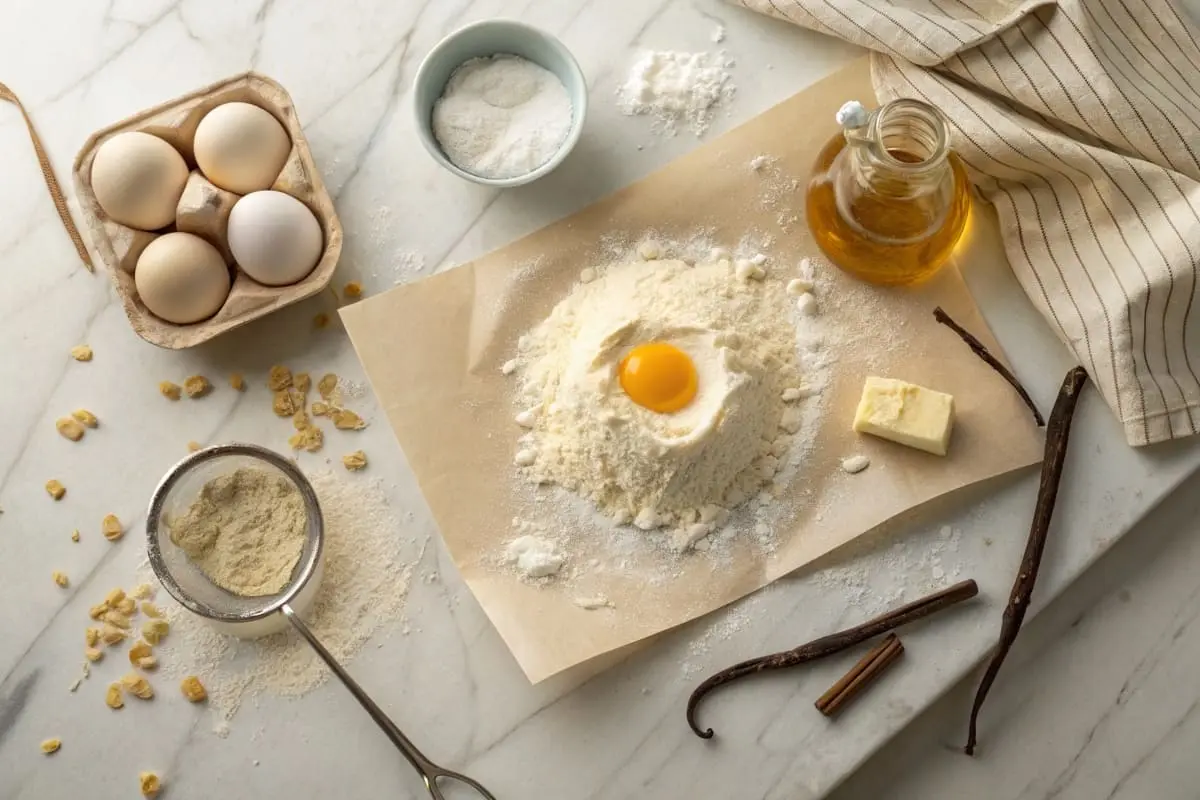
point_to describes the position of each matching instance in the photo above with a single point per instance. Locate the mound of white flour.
(682, 471)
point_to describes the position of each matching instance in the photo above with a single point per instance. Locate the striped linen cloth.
(1079, 120)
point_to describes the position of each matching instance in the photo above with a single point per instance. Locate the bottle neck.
(903, 151)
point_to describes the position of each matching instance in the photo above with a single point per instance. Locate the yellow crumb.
(93, 654)
(114, 596)
(97, 611)
(110, 526)
(137, 686)
(50, 746)
(346, 420)
(81, 352)
(352, 290)
(193, 446)
(60, 578)
(310, 439)
(151, 610)
(327, 385)
(279, 378)
(70, 428)
(127, 606)
(237, 382)
(149, 783)
(319, 409)
(283, 404)
(321, 321)
(91, 636)
(355, 461)
(86, 417)
(75, 536)
(111, 634)
(142, 591)
(112, 697)
(55, 489)
(196, 386)
(302, 382)
(139, 651)
(153, 630)
(192, 689)
(169, 390)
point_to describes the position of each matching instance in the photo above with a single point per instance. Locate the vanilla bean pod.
(980, 349)
(828, 645)
(1057, 435)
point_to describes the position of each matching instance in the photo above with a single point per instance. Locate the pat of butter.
(906, 414)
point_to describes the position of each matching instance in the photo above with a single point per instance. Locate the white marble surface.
(79, 66)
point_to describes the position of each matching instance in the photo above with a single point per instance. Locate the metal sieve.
(187, 584)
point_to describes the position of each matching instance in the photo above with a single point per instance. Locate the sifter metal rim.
(314, 521)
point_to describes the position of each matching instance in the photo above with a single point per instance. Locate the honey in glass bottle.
(888, 200)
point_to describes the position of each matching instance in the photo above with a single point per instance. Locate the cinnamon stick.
(980, 349)
(1058, 433)
(861, 675)
(828, 645)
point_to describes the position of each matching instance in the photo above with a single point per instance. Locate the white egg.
(274, 237)
(241, 147)
(137, 179)
(181, 278)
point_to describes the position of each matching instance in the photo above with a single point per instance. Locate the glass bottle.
(888, 200)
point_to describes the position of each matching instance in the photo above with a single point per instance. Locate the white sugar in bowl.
(274, 238)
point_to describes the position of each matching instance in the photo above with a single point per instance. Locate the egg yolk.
(659, 376)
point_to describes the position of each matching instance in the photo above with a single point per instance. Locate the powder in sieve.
(245, 531)
(502, 116)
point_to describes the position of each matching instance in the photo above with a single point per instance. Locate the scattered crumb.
(91, 636)
(352, 291)
(319, 409)
(149, 784)
(321, 321)
(649, 250)
(86, 417)
(171, 391)
(302, 382)
(300, 419)
(151, 610)
(81, 352)
(55, 489)
(193, 446)
(93, 653)
(196, 386)
(355, 461)
(127, 606)
(51, 746)
(97, 611)
(117, 619)
(75, 536)
(110, 526)
(279, 378)
(70, 428)
(114, 596)
(154, 630)
(60, 578)
(718, 34)
(311, 439)
(987, 541)
(855, 464)
(137, 686)
(112, 697)
(193, 690)
(346, 420)
(139, 653)
(142, 591)
(111, 634)
(327, 385)
(237, 382)
(283, 404)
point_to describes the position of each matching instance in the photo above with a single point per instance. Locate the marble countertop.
(450, 682)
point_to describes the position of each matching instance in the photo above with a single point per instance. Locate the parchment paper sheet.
(433, 350)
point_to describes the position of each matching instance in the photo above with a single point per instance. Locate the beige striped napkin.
(1080, 121)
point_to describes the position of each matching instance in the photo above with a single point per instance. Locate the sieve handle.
(430, 772)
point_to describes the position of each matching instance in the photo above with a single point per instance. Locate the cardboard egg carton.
(204, 210)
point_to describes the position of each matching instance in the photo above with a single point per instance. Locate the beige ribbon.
(56, 193)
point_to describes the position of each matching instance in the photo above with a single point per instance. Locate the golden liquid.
(902, 260)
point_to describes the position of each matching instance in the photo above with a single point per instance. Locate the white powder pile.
(245, 531)
(677, 89)
(502, 116)
(681, 471)
(369, 560)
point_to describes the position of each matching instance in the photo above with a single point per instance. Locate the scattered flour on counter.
(502, 116)
(368, 565)
(677, 89)
(534, 557)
